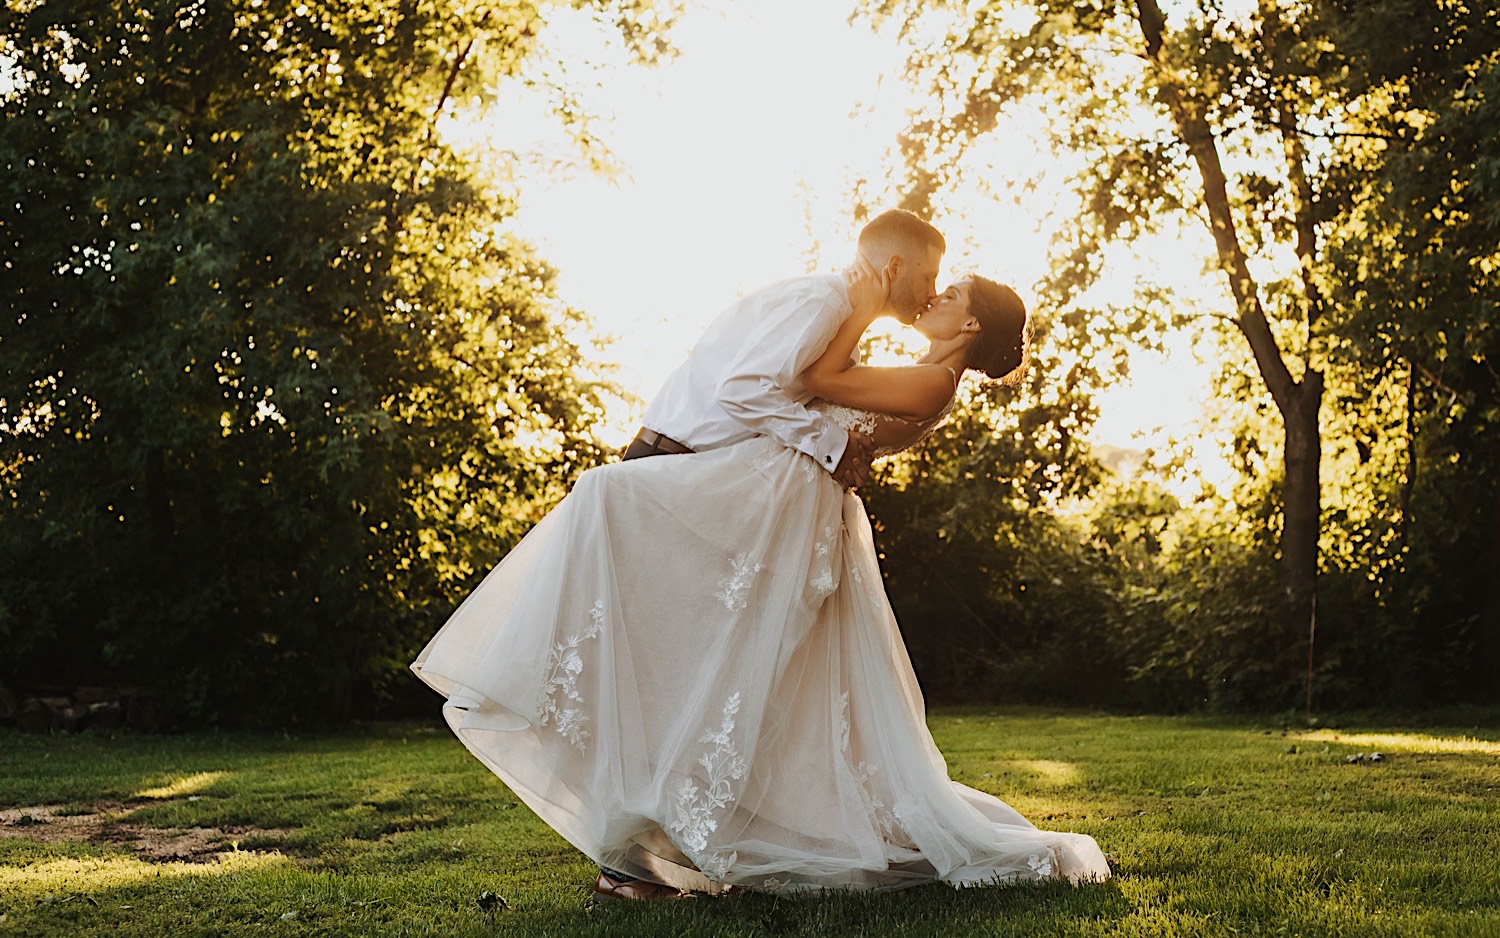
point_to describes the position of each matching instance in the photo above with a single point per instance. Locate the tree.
(1219, 120)
(277, 384)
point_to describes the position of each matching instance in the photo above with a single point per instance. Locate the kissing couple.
(690, 669)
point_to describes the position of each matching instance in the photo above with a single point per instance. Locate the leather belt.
(659, 442)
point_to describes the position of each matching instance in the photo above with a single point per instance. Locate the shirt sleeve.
(757, 388)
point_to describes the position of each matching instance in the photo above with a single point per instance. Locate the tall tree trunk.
(1297, 400)
(1301, 505)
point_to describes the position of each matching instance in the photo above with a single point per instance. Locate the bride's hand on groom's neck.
(869, 289)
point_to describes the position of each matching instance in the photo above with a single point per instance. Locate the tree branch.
(461, 54)
(458, 64)
(1336, 134)
(1193, 128)
(1301, 131)
(1213, 315)
(1284, 113)
(1436, 381)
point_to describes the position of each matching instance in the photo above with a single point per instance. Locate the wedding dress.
(690, 670)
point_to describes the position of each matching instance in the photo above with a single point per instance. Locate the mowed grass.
(1215, 827)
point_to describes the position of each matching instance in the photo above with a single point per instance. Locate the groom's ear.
(892, 269)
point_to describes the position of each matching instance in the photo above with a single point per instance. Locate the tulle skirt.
(690, 670)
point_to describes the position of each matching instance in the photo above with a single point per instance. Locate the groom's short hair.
(898, 226)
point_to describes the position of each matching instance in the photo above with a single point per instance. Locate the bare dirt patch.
(105, 824)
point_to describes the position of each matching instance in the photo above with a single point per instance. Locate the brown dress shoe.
(635, 890)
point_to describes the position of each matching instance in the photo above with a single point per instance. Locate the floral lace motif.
(867, 422)
(732, 588)
(822, 581)
(849, 418)
(697, 808)
(773, 885)
(772, 452)
(874, 590)
(1040, 865)
(844, 722)
(887, 818)
(806, 464)
(561, 687)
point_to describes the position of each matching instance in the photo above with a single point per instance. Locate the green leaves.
(271, 360)
(1344, 155)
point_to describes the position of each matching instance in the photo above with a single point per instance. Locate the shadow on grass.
(79, 890)
(1027, 909)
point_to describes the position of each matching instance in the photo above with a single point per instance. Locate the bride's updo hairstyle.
(1000, 350)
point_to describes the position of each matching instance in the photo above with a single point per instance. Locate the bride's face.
(946, 316)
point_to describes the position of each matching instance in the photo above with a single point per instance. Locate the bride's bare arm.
(912, 392)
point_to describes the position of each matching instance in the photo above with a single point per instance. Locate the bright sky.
(735, 159)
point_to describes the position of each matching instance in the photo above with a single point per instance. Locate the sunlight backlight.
(1404, 742)
(735, 165)
(1049, 773)
(186, 785)
(75, 875)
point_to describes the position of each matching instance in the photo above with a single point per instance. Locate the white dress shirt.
(743, 378)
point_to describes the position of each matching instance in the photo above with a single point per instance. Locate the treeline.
(277, 386)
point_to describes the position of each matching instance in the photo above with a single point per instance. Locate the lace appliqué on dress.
(873, 589)
(1040, 865)
(887, 818)
(732, 588)
(773, 885)
(561, 687)
(697, 808)
(765, 459)
(865, 421)
(849, 418)
(823, 582)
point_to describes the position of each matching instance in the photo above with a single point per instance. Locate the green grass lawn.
(1215, 827)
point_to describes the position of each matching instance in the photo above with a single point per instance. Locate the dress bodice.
(892, 434)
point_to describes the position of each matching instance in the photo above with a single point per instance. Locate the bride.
(691, 671)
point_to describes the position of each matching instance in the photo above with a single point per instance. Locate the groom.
(743, 378)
